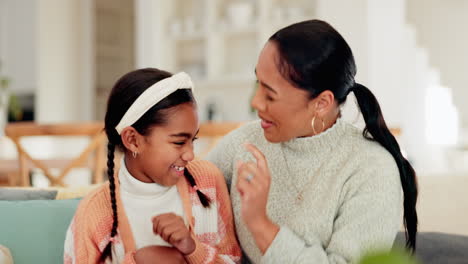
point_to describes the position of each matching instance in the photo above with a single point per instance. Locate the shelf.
(225, 80)
(217, 42)
(228, 30)
(193, 36)
(291, 20)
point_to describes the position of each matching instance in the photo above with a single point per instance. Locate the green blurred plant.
(396, 256)
(11, 102)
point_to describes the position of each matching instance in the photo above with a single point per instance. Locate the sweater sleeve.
(85, 250)
(227, 250)
(86, 235)
(80, 245)
(368, 218)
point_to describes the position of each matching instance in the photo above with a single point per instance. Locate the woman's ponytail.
(378, 130)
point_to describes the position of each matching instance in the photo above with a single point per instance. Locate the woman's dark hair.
(127, 89)
(314, 57)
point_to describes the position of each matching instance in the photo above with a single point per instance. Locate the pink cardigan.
(212, 228)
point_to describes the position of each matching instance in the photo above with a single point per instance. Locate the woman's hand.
(156, 254)
(253, 184)
(172, 229)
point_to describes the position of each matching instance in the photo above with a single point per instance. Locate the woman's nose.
(257, 103)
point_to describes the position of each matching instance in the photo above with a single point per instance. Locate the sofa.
(438, 248)
(33, 222)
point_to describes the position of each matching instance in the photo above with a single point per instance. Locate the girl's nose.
(188, 155)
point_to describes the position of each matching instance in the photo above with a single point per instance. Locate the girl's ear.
(131, 139)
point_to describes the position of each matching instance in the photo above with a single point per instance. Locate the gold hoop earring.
(134, 154)
(313, 126)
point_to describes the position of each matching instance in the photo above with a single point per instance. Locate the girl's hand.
(154, 254)
(172, 229)
(253, 184)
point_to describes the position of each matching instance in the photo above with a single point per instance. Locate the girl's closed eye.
(181, 143)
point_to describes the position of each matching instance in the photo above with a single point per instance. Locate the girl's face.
(285, 111)
(164, 153)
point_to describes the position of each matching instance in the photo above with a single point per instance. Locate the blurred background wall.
(63, 56)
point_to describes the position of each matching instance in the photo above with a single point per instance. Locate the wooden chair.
(93, 130)
(396, 131)
(212, 132)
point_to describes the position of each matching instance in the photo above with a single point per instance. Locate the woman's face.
(285, 111)
(164, 153)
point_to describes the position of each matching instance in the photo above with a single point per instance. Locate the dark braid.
(205, 200)
(110, 174)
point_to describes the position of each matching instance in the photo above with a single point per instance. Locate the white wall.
(350, 19)
(442, 27)
(87, 96)
(374, 31)
(47, 49)
(386, 25)
(148, 31)
(18, 44)
(61, 63)
(389, 63)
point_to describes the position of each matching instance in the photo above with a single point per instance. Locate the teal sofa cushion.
(35, 230)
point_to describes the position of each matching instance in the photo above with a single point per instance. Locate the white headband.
(152, 96)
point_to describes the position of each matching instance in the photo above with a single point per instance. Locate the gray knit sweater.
(335, 196)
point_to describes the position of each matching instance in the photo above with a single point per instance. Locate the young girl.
(160, 206)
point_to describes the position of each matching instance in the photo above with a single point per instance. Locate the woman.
(317, 190)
